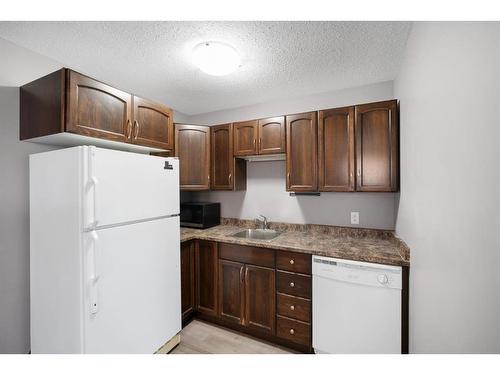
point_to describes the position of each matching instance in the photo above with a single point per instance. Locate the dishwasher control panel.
(370, 274)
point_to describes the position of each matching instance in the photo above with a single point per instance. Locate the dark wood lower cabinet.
(260, 298)
(294, 307)
(294, 331)
(247, 295)
(188, 286)
(231, 291)
(206, 257)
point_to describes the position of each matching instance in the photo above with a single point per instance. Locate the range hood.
(270, 157)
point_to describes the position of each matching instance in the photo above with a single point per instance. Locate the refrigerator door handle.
(95, 182)
(95, 269)
(94, 306)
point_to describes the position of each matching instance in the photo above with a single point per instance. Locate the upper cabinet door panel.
(377, 146)
(153, 124)
(222, 157)
(272, 135)
(301, 152)
(192, 147)
(245, 138)
(97, 110)
(336, 149)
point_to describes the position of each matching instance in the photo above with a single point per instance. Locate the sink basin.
(257, 234)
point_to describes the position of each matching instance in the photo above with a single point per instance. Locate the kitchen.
(326, 214)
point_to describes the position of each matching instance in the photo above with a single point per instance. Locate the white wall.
(449, 88)
(14, 227)
(332, 99)
(266, 193)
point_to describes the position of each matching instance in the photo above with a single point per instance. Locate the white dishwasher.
(356, 307)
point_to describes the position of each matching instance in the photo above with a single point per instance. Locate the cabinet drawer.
(247, 254)
(293, 330)
(293, 262)
(294, 307)
(293, 284)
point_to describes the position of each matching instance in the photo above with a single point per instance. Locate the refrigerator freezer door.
(123, 187)
(132, 300)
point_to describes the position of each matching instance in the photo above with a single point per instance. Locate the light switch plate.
(355, 217)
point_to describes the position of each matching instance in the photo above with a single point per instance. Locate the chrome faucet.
(264, 223)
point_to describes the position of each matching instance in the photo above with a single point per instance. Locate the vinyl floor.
(203, 338)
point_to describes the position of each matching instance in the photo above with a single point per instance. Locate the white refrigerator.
(104, 251)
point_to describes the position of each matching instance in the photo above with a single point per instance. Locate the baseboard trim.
(170, 345)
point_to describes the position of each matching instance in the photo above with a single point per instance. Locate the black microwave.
(200, 214)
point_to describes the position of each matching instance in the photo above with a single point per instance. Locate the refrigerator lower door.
(132, 300)
(122, 187)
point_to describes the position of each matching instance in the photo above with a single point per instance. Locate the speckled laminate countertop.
(365, 245)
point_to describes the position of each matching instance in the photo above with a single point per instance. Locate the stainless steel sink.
(257, 234)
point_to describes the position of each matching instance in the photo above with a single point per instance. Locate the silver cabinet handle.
(292, 307)
(292, 331)
(292, 262)
(292, 284)
(136, 129)
(129, 129)
(230, 175)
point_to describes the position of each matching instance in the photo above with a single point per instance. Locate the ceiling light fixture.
(216, 58)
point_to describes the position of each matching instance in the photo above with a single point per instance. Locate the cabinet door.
(206, 277)
(192, 147)
(231, 291)
(301, 152)
(260, 298)
(377, 145)
(245, 138)
(272, 135)
(336, 149)
(153, 125)
(187, 279)
(222, 157)
(97, 110)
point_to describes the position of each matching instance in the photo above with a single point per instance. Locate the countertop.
(367, 245)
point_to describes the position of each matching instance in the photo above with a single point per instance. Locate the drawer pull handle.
(292, 284)
(292, 307)
(292, 331)
(292, 261)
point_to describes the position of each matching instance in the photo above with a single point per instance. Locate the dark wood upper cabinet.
(152, 125)
(260, 298)
(301, 152)
(271, 135)
(67, 101)
(188, 287)
(192, 147)
(97, 110)
(336, 149)
(206, 261)
(245, 138)
(231, 291)
(228, 173)
(377, 150)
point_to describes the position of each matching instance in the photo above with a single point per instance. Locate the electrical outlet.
(355, 218)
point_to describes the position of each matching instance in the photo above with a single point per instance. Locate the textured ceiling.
(280, 59)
